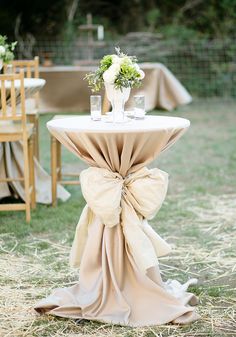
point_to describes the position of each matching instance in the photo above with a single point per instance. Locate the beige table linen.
(67, 91)
(114, 246)
(11, 156)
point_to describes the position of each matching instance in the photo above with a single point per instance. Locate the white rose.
(109, 76)
(142, 74)
(136, 66)
(115, 68)
(111, 73)
(127, 59)
(2, 50)
(116, 59)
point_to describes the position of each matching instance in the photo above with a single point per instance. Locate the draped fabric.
(67, 91)
(114, 246)
(12, 165)
(161, 88)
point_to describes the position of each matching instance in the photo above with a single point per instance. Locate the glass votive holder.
(96, 107)
(139, 106)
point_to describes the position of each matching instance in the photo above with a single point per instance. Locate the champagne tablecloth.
(11, 156)
(66, 89)
(114, 246)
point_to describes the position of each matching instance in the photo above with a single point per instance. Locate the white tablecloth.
(31, 85)
(150, 123)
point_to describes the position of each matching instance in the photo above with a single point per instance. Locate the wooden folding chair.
(31, 70)
(13, 127)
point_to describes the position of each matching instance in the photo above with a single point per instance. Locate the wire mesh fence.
(206, 68)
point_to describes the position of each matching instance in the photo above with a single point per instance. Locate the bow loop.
(102, 190)
(147, 190)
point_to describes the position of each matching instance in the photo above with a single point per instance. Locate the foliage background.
(179, 18)
(195, 39)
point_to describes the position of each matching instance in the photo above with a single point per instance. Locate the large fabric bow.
(127, 202)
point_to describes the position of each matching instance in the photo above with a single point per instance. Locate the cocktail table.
(114, 246)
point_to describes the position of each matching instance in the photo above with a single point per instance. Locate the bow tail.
(139, 243)
(80, 238)
(144, 243)
(161, 247)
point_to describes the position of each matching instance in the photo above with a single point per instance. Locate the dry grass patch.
(30, 270)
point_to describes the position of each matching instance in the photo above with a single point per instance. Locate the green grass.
(197, 218)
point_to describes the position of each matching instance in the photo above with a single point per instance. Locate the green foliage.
(95, 80)
(152, 17)
(128, 77)
(106, 62)
(6, 49)
(47, 19)
(179, 32)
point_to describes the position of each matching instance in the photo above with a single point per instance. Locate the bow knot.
(128, 201)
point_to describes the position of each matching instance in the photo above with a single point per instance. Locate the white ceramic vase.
(118, 98)
(1, 64)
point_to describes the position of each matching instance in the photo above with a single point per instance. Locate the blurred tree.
(50, 19)
(39, 17)
(152, 18)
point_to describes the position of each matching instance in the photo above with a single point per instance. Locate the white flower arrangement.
(6, 49)
(118, 69)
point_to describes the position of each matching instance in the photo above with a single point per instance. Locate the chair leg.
(34, 119)
(31, 172)
(58, 161)
(26, 180)
(36, 145)
(54, 170)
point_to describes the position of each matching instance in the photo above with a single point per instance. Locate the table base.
(112, 289)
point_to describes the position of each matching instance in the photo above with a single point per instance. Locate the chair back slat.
(13, 99)
(22, 94)
(36, 67)
(28, 71)
(10, 94)
(31, 70)
(30, 67)
(3, 100)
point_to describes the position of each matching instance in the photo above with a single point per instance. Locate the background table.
(11, 156)
(67, 91)
(116, 249)
(31, 85)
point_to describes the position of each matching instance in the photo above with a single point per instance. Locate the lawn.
(198, 219)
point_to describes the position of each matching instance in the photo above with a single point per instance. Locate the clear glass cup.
(139, 106)
(96, 107)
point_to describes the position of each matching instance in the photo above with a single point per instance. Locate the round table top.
(149, 123)
(28, 83)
